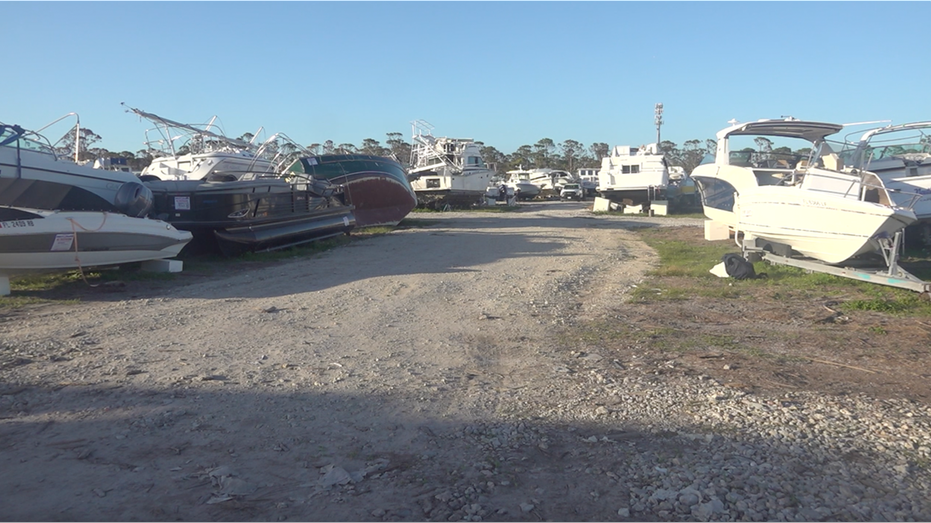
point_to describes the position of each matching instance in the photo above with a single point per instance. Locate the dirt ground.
(434, 373)
(784, 342)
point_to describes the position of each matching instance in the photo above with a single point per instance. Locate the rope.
(77, 258)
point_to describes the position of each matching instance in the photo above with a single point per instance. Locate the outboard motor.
(134, 199)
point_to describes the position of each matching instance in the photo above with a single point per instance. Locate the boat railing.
(874, 190)
(282, 151)
(863, 185)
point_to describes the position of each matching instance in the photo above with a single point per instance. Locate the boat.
(796, 202)
(33, 175)
(446, 171)
(376, 187)
(634, 176)
(550, 180)
(237, 197)
(42, 240)
(901, 156)
(519, 182)
(233, 217)
(116, 163)
(183, 151)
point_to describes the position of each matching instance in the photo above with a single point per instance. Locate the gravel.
(278, 396)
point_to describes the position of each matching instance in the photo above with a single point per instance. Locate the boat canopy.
(790, 128)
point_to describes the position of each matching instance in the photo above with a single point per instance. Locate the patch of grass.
(413, 223)
(494, 209)
(889, 306)
(683, 274)
(679, 258)
(696, 215)
(600, 331)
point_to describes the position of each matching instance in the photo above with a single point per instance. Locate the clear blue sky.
(505, 73)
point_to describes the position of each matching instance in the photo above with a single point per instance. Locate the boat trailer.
(892, 275)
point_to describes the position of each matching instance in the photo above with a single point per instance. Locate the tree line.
(569, 155)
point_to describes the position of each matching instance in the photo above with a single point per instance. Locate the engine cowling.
(134, 199)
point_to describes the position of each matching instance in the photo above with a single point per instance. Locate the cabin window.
(433, 183)
(630, 169)
(474, 161)
(716, 194)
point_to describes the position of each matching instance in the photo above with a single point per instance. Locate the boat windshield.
(762, 153)
(885, 146)
(11, 135)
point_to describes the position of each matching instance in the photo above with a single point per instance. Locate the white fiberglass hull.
(825, 228)
(527, 189)
(914, 191)
(461, 186)
(32, 240)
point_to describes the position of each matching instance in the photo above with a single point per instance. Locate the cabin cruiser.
(235, 196)
(804, 201)
(446, 171)
(376, 187)
(41, 240)
(634, 175)
(33, 175)
(900, 155)
(519, 182)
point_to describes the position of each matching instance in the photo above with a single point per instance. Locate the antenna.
(658, 120)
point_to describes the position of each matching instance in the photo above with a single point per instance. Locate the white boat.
(201, 152)
(32, 175)
(446, 171)
(519, 181)
(901, 156)
(634, 175)
(550, 179)
(41, 240)
(804, 201)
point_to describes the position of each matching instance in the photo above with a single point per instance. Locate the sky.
(504, 73)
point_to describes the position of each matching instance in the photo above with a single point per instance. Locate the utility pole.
(659, 121)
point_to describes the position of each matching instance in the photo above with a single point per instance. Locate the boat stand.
(892, 275)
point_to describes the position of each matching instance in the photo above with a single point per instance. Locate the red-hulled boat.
(376, 187)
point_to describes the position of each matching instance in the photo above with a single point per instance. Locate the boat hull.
(246, 214)
(527, 190)
(32, 239)
(284, 233)
(36, 180)
(633, 196)
(376, 187)
(831, 230)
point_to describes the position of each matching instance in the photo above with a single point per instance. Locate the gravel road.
(434, 373)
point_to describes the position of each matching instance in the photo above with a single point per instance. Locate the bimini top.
(789, 127)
